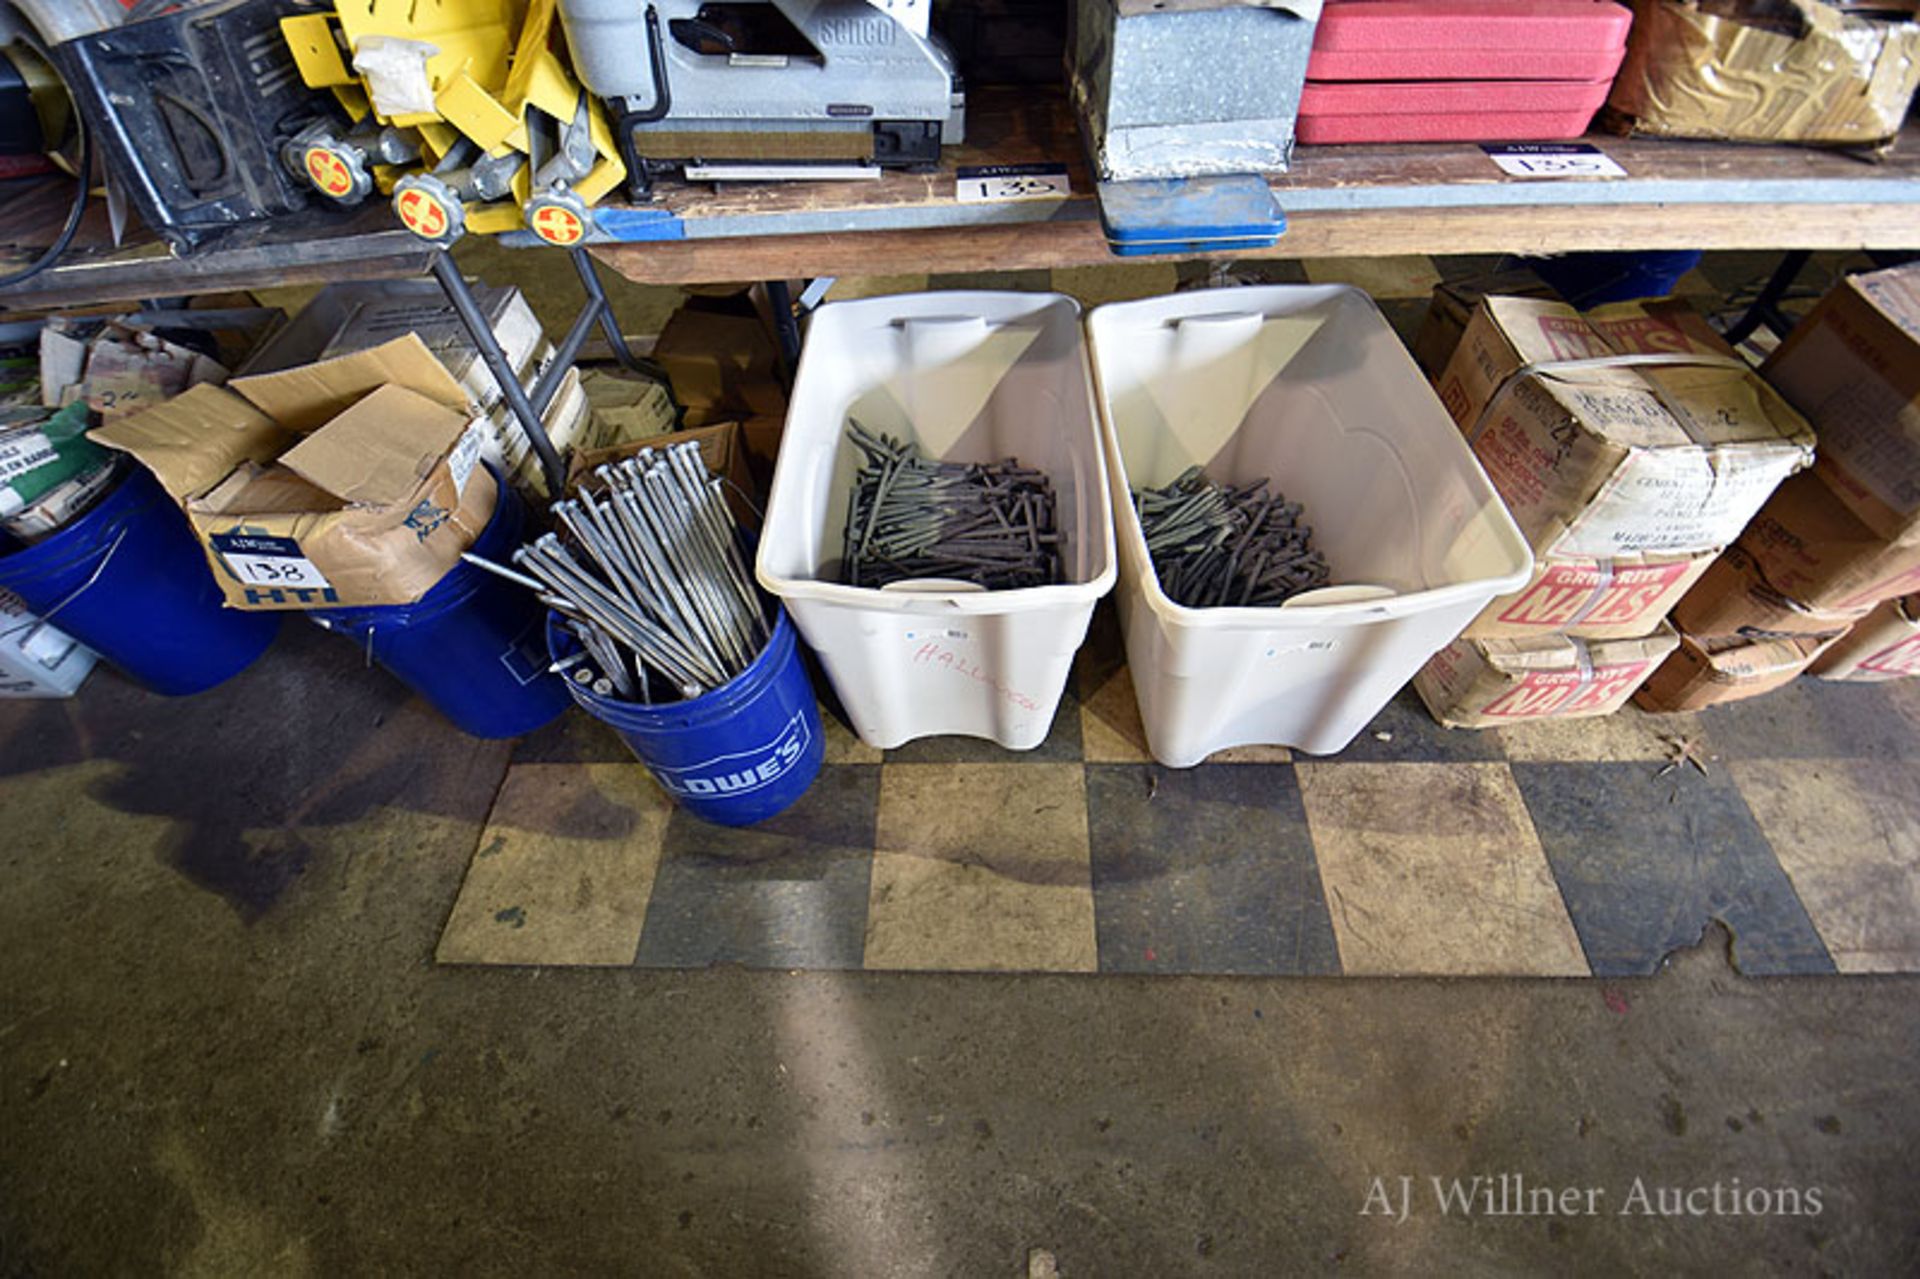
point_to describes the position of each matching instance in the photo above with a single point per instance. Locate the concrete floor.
(225, 1049)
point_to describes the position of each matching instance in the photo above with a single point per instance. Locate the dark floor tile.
(790, 892)
(248, 774)
(1205, 870)
(1644, 863)
(1814, 719)
(1404, 732)
(1061, 745)
(575, 738)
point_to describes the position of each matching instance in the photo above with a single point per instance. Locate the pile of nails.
(910, 517)
(1217, 547)
(650, 578)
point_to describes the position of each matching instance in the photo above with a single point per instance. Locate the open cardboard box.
(346, 483)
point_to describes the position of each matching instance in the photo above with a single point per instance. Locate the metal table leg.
(786, 325)
(530, 405)
(1766, 308)
(454, 285)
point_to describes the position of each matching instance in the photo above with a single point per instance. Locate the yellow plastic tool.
(487, 63)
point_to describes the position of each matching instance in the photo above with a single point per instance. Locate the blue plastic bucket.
(1592, 279)
(736, 755)
(130, 580)
(472, 645)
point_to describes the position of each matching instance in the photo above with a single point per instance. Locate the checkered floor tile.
(1554, 849)
(1558, 849)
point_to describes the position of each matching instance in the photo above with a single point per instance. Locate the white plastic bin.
(1308, 387)
(972, 377)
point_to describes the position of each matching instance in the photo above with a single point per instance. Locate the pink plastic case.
(1469, 40)
(1447, 111)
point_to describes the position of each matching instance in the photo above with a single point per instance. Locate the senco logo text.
(742, 771)
(867, 31)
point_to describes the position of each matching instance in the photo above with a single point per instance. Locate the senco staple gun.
(759, 89)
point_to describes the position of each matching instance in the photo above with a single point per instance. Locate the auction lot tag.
(268, 561)
(997, 183)
(1552, 160)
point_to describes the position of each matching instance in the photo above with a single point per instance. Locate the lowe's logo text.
(742, 771)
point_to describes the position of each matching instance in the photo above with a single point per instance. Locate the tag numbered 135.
(996, 184)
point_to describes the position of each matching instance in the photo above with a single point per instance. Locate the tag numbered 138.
(276, 570)
(260, 560)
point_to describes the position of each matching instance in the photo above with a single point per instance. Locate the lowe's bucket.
(471, 645)
(736, 755)
(130, 581)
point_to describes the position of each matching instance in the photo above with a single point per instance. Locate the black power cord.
(83, 184)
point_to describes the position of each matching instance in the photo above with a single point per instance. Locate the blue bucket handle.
(87, 585)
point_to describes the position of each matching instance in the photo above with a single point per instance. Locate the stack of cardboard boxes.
(1885, 644)
(1631, 446)
(1833, 552)
(347, 318)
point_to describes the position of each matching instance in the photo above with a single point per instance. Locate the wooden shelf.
(312, 248)
(1339, 201)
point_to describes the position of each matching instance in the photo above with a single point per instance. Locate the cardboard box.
(1487, 683)
(1707, 672)
(1782, 71)
(1592, 599)
(360, 315)
(626, 406)
(345, 318)
(1733, 598)
(116, 368)
(1629, 459)
(720, 448)
(570, 425)
(1811, 549)
(352, 482)
(1853, 368)
(721, 361)
(1452, 305)
(1885, 644)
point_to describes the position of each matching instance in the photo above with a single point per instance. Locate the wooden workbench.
(313, 248)
(1339, 201)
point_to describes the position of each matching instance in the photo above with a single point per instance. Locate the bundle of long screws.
(910, 517)
(650, 579)
(1215, 547)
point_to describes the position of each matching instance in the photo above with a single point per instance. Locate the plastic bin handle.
(1200, 338)
(942, 339)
